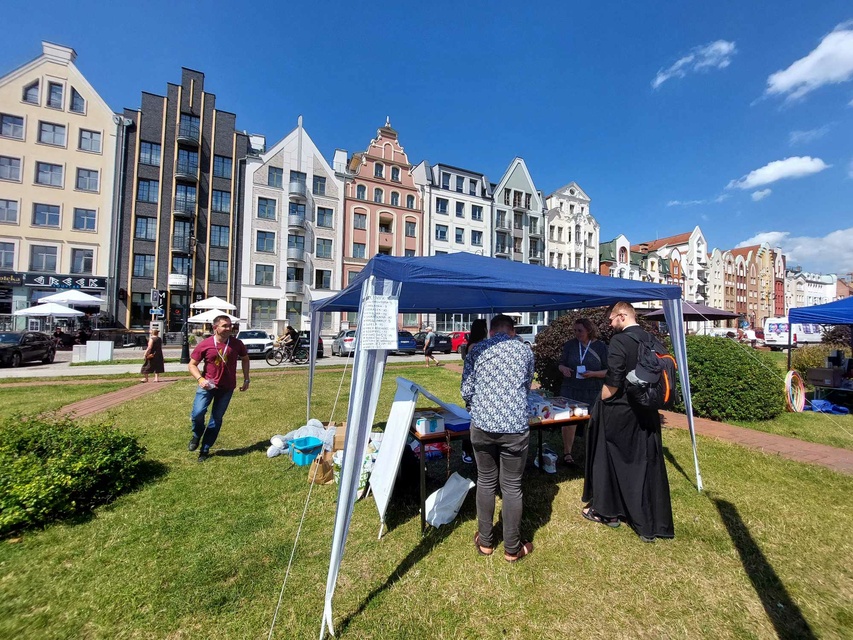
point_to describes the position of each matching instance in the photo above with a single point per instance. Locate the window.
(143, 265)
(359, 221)
(49, 174)
(265, 242)
(325, 217)
(264, 312)
(476, 212)
(358, 250)
(441, 205)
(45, 215)
(500, 220)
(361, 192)
(298, 177)
(218, 271)
(395, 199)
(265, 275)
(31, 93)
(296, 242)
(275, 177)
(411, 229)
(85, 219)
(319, 187)
(322, 279)
(11, 126)
(266, 208)
(43, 258)
(147, 191)
(409, 253)
(351, 276)
(90, 141)
(445, 180)
(185, 198)
(395, 174)
(460, 235)
(146, 229)
(324, 248)
(78, 104)
(10, 168)
(187, 162)
(534, 226)
(295, 274)
(222, 167)
(297, 209)
(54, 95)
(441, 232)
(149, 153)
(181, 233)
(517, 245)
(378, 195)
(385, 226)
(50, 133)
(8, 211)
(87, 180)
(221, 201)
(189, 127)
(378, 170)
(7, 255)
(81, 260)
(460, 184)
(219, 236)
(410, 202)
(181, 264)
(460, 209)
(518, 220)
(472, 187)
(477, 238)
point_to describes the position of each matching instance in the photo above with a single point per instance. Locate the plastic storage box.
(304, 450)
(428, 422)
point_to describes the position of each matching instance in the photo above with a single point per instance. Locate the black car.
(443, 343)
(305, 341)
(17, 347)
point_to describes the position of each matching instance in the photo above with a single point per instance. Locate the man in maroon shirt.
(216, 384)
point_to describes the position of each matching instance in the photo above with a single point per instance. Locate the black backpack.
(652, 383)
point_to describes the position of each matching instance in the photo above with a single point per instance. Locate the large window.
(187, 162)
(395, 199)
(45, 215)
(409, 253)
(146, 228)
(85, 220)
(266, 208)
(445, 180)
(322, 279)
(78, 104)
(140, 307)
(11, 126)
(298, 177)
(472, 187)
(87, 180)
(148, 190)
(264, 313)
(361, 192)
(149, 153)
(324, 248)
(90, 141)
(218, 271)
(378, 195)
(441, 232)
(265, 242)
(54, 95)
(221, 201)
(297, 209)
(43, 258)
(222, 167)
(358, 249)
(351, 276)
(7, 255)
(189, 126)
(296, 242)
(460, 235)
(395, 174)
(359, 221)
(477, 238)
(325, 217)
(185, 198)
(181, 264)
(81, 260)
(219, 236)
(49, 174)
(460, 209)
(50, 133)
(460, 183)
(476, 212)
(411, 229)
(265, 275)
(295, 274)
(319, 186)
(378, 170)
(8, 211)
(275, 176)
(410, 202)
(441, 205)
(10, 168)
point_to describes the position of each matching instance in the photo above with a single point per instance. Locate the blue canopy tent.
(838, 312)
(464, 283)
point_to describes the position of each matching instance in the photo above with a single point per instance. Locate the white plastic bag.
(443, 505)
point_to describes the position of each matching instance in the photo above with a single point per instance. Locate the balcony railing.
(293, 286)
(296, 221)
(501, 224)
(295, 253)
(188, 134)
(181, 244)
(298, 189)
(186, 171)
(184, 207)
(502, 249)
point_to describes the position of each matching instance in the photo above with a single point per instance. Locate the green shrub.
(52, 468)
(729, 381)
(812, 356)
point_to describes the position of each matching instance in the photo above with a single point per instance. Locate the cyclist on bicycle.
(290, 338)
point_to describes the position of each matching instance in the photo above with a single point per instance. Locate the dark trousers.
(500, 461)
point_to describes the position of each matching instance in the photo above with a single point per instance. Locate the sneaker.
(466, 458)
(204, 454)
(193, 445)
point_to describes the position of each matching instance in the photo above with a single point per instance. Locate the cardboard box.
(824, 377)
(428, 422)
(340, 434)
(541, 409)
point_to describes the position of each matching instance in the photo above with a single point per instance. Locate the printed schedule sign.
(378, 323)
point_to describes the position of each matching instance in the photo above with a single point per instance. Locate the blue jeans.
(203, 397)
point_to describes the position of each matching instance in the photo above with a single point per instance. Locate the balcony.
(536, 254)
(386, 239)
(501, 250)
(293, 286)
(178, 281)
(502, 224)
(535, 231)
(296, 221)
(518, 206)
(181, 244)
(296, 253)
(298, 190)
(188, 136)
(184, 208)
(186, 171)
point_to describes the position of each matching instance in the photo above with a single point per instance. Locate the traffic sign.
(155, 297)
(157, 312)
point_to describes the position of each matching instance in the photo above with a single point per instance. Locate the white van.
(776, 333)
(528, 332)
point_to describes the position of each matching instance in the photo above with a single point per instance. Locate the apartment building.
(57, 169)
(573, 233)
(806, 289)
(179, 213)
(291, 235)
(688, 260)
(519, 220)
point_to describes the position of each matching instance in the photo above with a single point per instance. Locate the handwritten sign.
(378, 323)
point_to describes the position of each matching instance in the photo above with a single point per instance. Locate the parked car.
(344, 343)
(305, 341)
(258, 343)
(406, 343)
(17, 347)
(528, 332)
(442, 342)
(458, 339)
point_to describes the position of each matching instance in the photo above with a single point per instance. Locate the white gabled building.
(687, 254)
(292, 234)
(573, 233)
(519, 219)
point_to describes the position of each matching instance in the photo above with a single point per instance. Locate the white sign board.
(378, 323)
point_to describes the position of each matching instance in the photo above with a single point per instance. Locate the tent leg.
(381, 527)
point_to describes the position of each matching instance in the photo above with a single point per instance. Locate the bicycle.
(297, 354)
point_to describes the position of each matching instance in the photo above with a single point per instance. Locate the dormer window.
(31, 93)
(54, 95)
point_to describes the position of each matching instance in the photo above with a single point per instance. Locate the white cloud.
(833, 253)
(831, 62)
(760, 195)
(715, 55)
(804, 137)
(795, 167)
(691, 203)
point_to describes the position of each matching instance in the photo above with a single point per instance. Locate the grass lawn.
(201, 551)
(822, 428)
(38, 398)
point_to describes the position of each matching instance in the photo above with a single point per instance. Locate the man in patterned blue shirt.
(495, 380)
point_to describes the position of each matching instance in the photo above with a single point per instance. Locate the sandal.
(590, 514)
(525, 550)
(569, 460)
(481, 547)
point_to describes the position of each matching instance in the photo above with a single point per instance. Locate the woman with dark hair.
(479, 331)
(153, 357)
(583, 365)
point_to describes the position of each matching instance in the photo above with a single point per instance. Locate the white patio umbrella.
(208, 316)
(213, 303)
(73, 296)
(49, 309)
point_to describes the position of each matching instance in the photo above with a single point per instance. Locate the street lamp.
(185, 347)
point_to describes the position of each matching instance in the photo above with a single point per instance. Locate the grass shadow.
(671, 459)
(784, 614)
(242, 451)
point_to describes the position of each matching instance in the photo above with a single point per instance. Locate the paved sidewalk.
(114, 398)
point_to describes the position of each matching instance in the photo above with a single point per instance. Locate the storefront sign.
(60, 281)
(11, 279)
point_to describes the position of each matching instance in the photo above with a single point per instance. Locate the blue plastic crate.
(304, 450)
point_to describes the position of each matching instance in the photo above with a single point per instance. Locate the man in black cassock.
(625, 474)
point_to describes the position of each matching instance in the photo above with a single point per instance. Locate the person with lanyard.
(583, 365)
(216, 385)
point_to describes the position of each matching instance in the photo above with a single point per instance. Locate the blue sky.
(732, 115)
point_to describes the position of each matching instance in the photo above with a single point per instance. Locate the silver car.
(344, 343)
